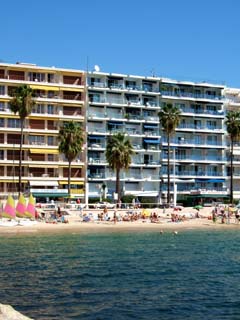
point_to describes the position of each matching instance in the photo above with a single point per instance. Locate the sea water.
(137, 275)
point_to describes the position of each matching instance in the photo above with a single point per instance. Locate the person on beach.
(214, 216)
(237, 216)
(115, 216)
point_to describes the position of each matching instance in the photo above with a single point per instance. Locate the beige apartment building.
(60, 96)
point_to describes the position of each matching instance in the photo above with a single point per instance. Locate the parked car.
(102, 205)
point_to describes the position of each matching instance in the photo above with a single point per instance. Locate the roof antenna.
(96, 68)
(153, 74)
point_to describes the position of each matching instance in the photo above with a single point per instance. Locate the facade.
(106, 103)
(60, 97)
(123, 103)
(232, 103)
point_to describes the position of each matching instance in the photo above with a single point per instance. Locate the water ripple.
(141, 275)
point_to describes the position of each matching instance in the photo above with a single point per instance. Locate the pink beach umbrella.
(9, 210)
(30, 211)
(21, 207)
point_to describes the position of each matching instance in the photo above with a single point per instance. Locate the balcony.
(180, 94)
(93, 114)
(98, 84)
(203, 111)
(72, 97)
(96, 145)
(99, 175)
(96, 161)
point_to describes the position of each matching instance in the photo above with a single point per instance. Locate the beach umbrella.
(9, 210)
(146, 212)
(198, 207)
(30, 211)
(21, 207)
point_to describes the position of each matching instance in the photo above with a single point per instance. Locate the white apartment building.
(130, 104)
(232, 103)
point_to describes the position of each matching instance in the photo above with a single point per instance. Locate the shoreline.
(106, 227)
(163, 224)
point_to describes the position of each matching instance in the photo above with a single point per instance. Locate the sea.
(122, 275)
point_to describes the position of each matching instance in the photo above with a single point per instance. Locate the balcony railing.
(194, 173)
(205, 112)
(193, 95)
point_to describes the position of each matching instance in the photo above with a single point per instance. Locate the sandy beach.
(163, 223)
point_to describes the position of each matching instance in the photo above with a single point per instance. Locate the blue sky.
(181, 39)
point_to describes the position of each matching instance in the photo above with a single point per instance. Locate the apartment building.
(106, 103)
(60, 97)
(124, 103)
(232, 103)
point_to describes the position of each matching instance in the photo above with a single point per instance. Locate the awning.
(210, 196)
(43, 183)
(71, 89)
(45, 151)
(72, 182)
(115, 123)
(47, 195)
(210, 180)
(43, 87)
(12, 181)
(151, 141)
(96, 137)
(150, 126)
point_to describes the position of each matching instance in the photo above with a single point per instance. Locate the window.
(50, 109)
(50, 141)
(38, 77)
(14, 123)
(38, 108)
(36, 140)
(147, 86)
(211, 124)
(212, 140)
(50, 157)
(131, 85)
(2, 90)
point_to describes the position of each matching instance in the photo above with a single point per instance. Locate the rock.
(8, 313)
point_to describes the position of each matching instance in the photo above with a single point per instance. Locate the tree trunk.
(118, 185)
(20, 159)
(231, 173)
(69, 178)
(168, 170)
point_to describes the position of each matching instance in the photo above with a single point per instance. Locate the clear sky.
(193, 40)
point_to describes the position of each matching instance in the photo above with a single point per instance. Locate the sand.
(75, 224)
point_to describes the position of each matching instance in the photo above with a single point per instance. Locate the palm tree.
(169, 118)
(232, 123)
(22, 103)
(71, 140)
(118, 154)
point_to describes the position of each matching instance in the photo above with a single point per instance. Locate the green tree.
(71, 140)
(118, 154)
(22, 104)
(232, 123)
(169, 118)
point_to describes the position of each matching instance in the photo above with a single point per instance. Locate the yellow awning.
(71, 89)
(11, 181)
(72, 182)
(5, 99)
(45, 151)
(43, 87)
